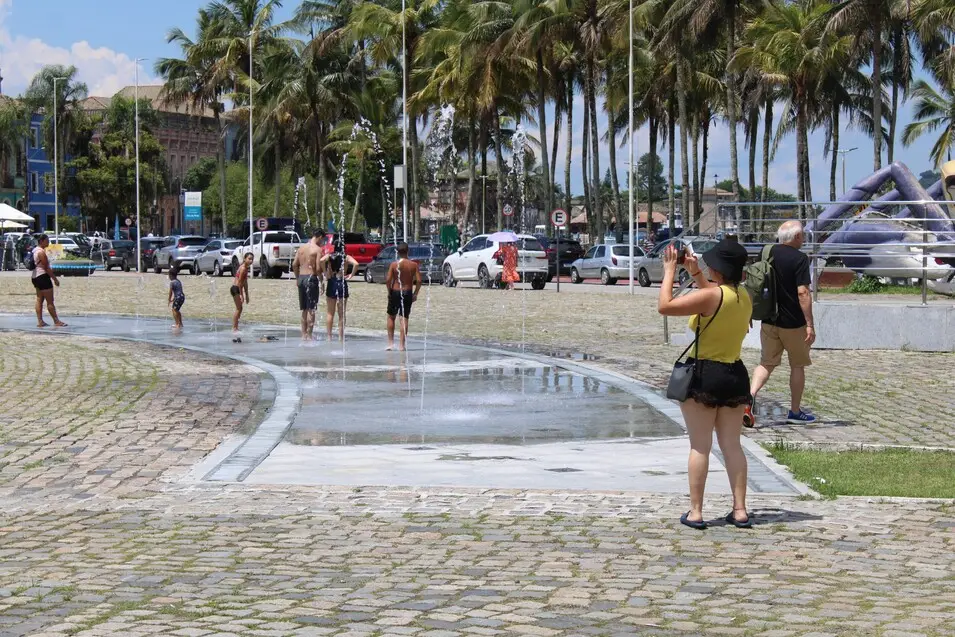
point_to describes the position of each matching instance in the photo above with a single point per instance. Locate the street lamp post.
(483, 201)
(251, 34)
(844, 153)
(404, 123)
(139, 252)
(56, 164)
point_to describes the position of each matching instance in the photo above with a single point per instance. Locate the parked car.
(71, 246)
(273, 255)
(570, 251)
(480, 260)
(357, 246)
(430, 257)
(650, 268)
(114, 254)
(605, 262)
(148, 246)
(215, 257)
(179, 251)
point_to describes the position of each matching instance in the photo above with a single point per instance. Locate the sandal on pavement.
(746, 524)
(685, 520)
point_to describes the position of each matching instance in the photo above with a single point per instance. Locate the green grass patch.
(872, 285)
(889, 472)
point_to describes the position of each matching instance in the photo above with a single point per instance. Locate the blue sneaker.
(801, 417)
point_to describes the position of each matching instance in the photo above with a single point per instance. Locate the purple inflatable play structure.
(883, 244)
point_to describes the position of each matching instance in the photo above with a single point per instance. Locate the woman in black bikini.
(334, 266)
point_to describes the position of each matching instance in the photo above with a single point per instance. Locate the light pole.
(56, 164)
(251, 33)
(630, 152)
(139, 252)
(404, 123)
(844, 153)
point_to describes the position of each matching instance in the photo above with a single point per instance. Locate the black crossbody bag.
(681, 378)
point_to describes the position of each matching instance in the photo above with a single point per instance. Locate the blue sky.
(103, 37)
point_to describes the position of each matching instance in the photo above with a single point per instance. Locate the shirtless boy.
(307, 278)
(403, 283)
(240, 286)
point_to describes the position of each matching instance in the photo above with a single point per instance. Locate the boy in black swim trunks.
(240, 286)
(403, 274)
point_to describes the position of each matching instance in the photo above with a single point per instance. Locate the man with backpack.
(779, 286)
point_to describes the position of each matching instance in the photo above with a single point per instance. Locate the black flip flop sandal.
(748, 524)
(699, 525)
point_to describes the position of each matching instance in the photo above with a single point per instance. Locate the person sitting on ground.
(403, 275)
(338, 269)
(719, 391)
(176, 296)
(43, 279)
(240, 286)
(793, 330)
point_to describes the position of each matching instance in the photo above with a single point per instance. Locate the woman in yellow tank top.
(719, 392)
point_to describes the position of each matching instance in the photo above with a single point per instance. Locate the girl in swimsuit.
(239, 287)
(176, 296)
(338, 268)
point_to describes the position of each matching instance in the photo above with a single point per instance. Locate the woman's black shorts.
(721, 384)
(43, 282)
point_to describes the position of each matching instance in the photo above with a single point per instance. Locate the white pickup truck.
(273, 252)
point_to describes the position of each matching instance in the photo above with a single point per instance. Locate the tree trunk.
(585, 168)
(753, 136)
(358, 193)
(706, 153)
(834, 159)
(568, 200)
(483, 143)
(695, 158)
(472, 169)
(876, 92)
(767, 137)
(684, 155)
(499, 153)
(893, 117)
(558, 115)
(542, 131)
(415, 211)
(320, 198)
(220, 164)
(278, 181)
(802, 151)
(621, 212)
(671, 167)
(731, 95)
(595, 137)
(652, 172)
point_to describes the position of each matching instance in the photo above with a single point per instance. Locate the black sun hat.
(728, 258)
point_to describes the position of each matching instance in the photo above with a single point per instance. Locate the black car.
(570, 251)
(149, 246)
(115, 254)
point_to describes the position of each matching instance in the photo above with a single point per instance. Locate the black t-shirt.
(791, 270)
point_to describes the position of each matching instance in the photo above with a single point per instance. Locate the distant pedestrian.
(240, 287)
(718, 389)
(403, 282)
(338, 269)
(793, 330)
(176, 296)
(509, 256)
(43, 279)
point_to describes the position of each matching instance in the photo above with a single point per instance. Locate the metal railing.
(866, 240)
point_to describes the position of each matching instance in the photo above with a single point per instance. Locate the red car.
(356, 246)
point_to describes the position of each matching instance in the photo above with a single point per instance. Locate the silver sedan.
(605, 262)
(215, 257)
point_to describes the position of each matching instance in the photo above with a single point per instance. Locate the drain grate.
(565, 470)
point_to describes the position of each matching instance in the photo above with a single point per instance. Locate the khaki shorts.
(776, 339)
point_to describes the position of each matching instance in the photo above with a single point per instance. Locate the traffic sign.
(129, 222)
(262, 224)
(508, 210)
(559, 218)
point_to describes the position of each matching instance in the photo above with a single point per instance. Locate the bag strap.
(767, 252)
(698, 331)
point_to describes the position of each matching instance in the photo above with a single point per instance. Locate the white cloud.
(104, 70)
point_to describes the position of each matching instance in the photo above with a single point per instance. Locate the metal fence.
(884, 239)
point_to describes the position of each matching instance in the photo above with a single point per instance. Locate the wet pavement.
(441, 414)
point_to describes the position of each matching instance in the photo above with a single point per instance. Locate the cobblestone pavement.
(141, 552)
(876, 397)
(92, 418)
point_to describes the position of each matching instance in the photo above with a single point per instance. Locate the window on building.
(36, 137)
(34, 182)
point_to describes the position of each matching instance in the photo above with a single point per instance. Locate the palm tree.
(934, 110)
(195, 80)
(68, 114)
(14, 127)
